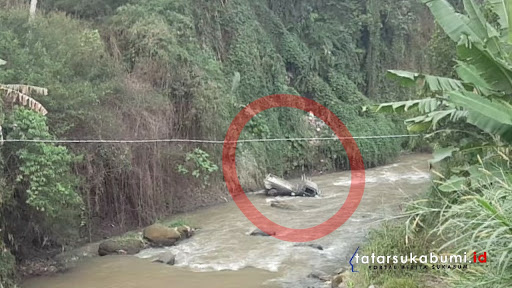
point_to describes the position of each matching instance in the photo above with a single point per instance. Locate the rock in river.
(120, 246)
(283, 205)
(167, 258)
(160, 235)
(322, 276)
(258, 232)
(339, 281)
(314, 246)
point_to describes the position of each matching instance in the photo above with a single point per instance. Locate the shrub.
(42, 182)
(7, 267)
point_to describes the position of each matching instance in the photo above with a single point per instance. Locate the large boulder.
(120, 246)
(160, 235)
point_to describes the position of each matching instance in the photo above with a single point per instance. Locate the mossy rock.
(125, 246)
(182, 226)
(161, 235)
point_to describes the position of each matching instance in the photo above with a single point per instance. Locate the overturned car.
(276, 186)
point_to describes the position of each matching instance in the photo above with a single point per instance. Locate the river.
(223, 255)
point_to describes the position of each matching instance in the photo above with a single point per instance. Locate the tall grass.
(476, 218)
(392, 238)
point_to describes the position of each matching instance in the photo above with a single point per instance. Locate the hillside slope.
(161, 69)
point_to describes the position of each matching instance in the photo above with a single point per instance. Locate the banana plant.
(483, 93)
(19, 94)
(478, 179)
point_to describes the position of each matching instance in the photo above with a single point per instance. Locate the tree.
(40, 181)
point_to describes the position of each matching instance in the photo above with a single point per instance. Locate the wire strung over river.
(200, 141)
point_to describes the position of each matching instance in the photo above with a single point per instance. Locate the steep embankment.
(183, 69)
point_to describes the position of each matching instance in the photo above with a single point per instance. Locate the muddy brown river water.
(223, 255)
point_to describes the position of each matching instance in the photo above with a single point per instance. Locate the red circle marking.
(242, 201)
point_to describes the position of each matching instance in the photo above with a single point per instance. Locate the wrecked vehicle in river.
(276, 186)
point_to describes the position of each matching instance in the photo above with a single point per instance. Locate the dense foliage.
(470, 208)
(161, 69)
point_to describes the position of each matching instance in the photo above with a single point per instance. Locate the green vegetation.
(198, 161)
(158, 69)
(392, 239)
(162, 69)
(178, 223)
(7, 267)
(469, 119)
(41, 181)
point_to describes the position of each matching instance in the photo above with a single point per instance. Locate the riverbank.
(392, 238)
